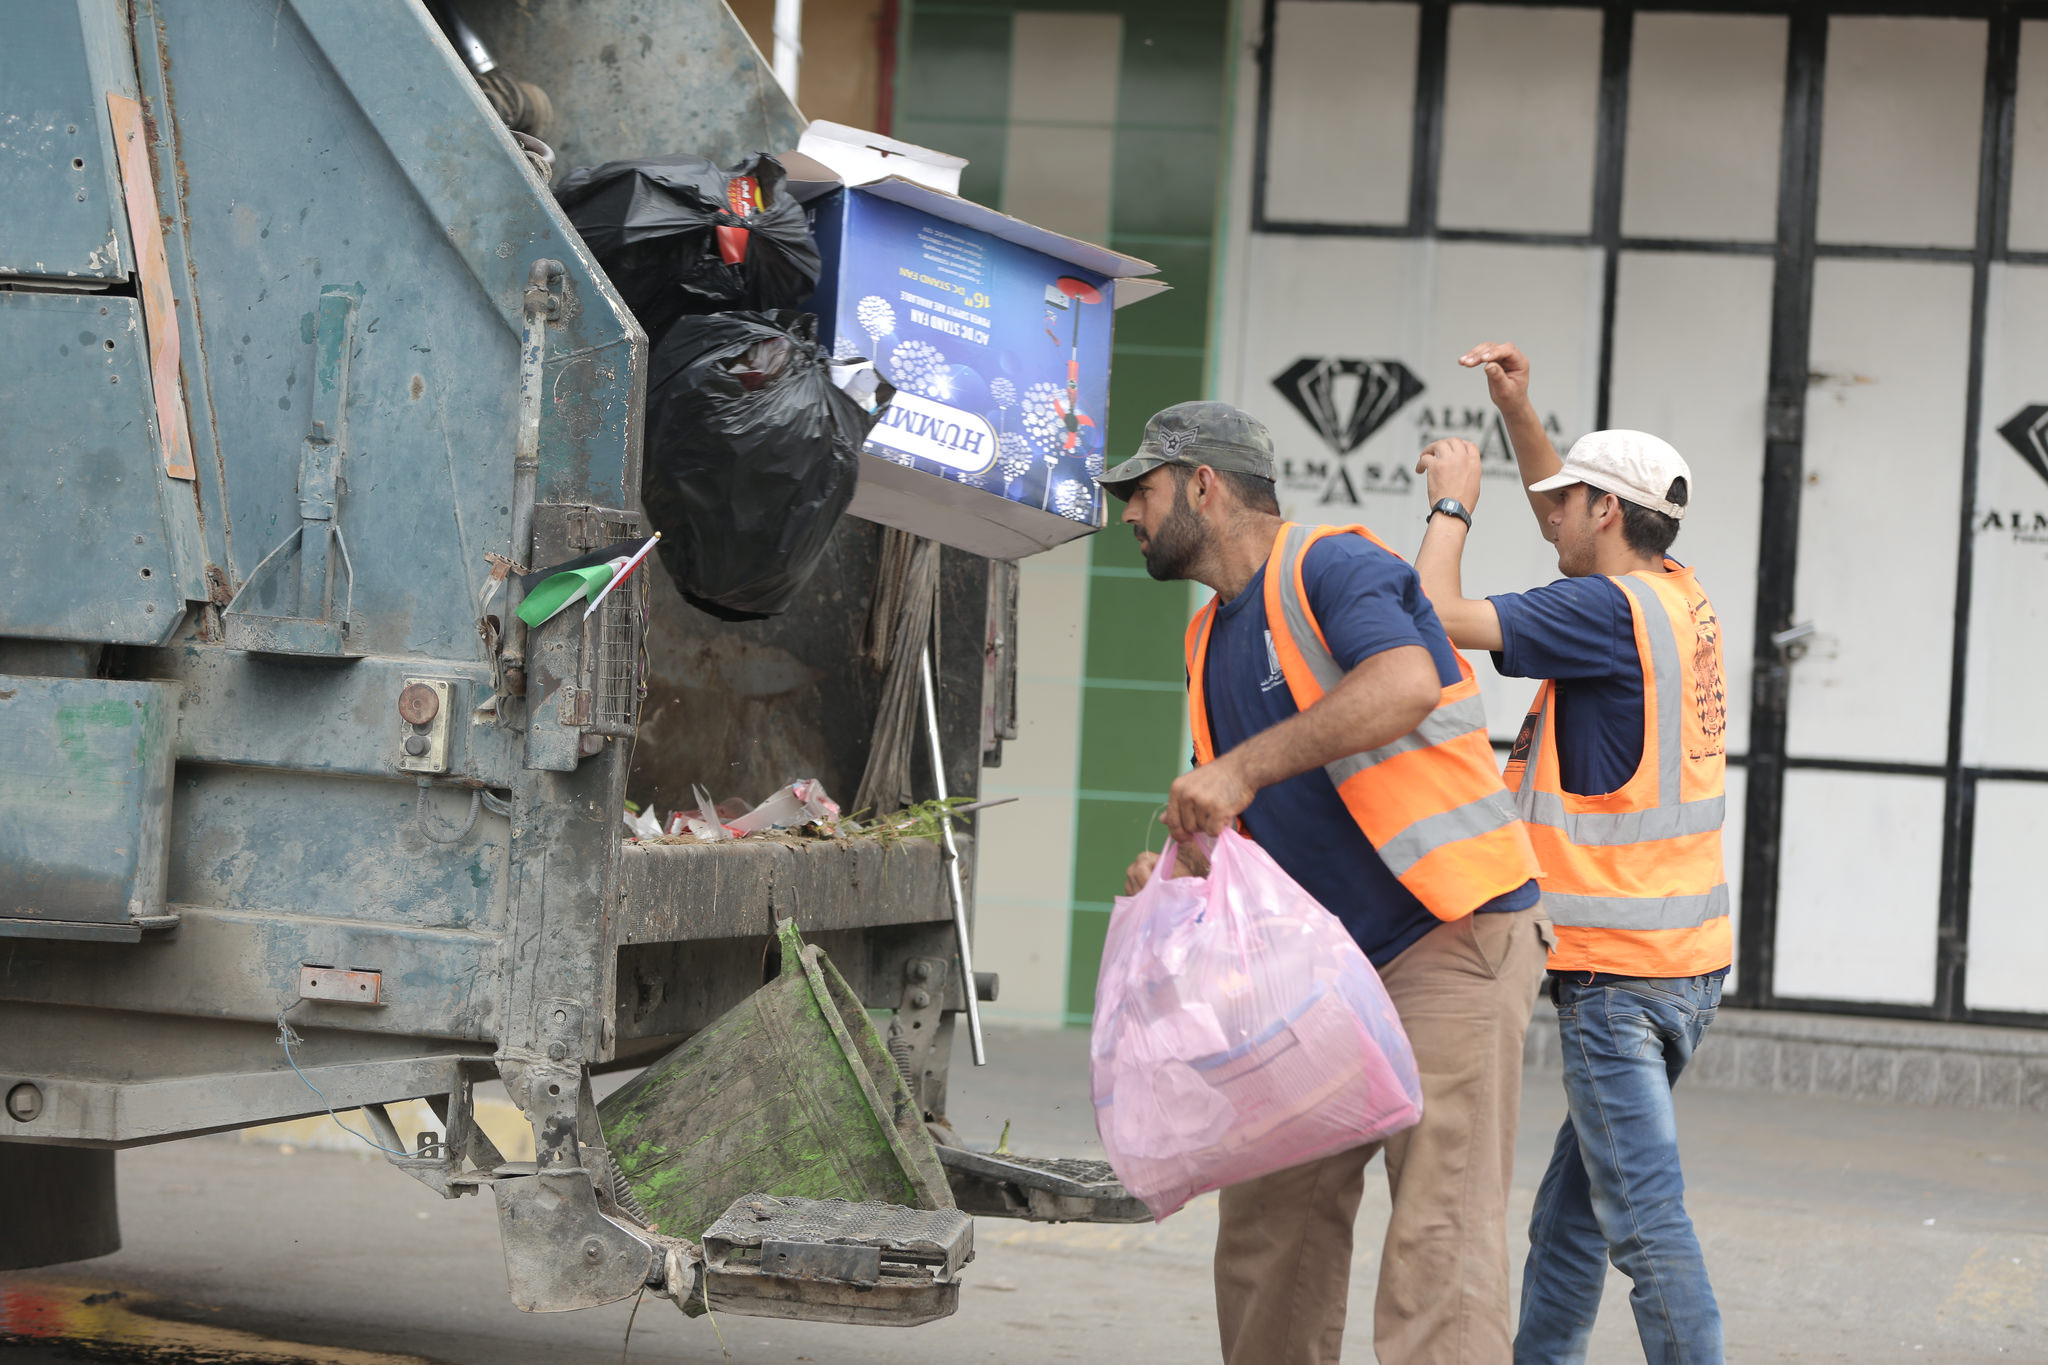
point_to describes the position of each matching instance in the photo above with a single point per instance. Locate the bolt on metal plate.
(25, 1103)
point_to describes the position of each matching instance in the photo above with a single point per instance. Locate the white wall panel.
(1342, 131)
(1902, 115)
(1706, 98)
(2006, 718)
(1692, 340)
(1521, 93)
(1876, 576)
(2028, 229)
(2008, 906)
(1421, 305)
(1859, 887)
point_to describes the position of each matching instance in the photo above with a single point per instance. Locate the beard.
(1170, 551)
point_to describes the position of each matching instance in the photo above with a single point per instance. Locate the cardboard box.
(995, 333)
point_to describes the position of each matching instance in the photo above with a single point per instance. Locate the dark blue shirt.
(1580, 633)
(1367, 601)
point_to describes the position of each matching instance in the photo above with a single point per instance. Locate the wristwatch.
(1451, 507)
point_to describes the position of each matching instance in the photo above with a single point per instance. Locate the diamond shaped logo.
(2028, 434)
(1347, 400)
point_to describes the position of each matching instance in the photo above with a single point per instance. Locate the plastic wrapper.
(677, 235)
(1238, 1031)
(800, 803)
(751, 458)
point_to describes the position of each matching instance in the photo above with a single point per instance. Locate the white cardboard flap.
(859, 157)
(1128, 291)
(953, 209)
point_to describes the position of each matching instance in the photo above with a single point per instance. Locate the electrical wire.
(627, 1344)
(476, 797)
(288, 1038)
(704, 1283)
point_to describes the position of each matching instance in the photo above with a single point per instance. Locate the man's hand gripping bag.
(1239, 1030)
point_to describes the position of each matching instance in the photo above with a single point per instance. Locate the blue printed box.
(996, 335)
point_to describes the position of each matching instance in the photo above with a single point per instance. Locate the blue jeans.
(1613, 1189)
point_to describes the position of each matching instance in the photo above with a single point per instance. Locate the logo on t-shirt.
(1274, 677)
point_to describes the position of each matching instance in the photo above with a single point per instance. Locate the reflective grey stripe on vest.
(1670, 817)
(1439, 726)
(1490, 812)
(1604, 829)
(1664, 669)
(1443, 724)
(1637, 912)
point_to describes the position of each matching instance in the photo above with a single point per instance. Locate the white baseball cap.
(1629, 464)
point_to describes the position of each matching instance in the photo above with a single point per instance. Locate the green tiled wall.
(953, 93)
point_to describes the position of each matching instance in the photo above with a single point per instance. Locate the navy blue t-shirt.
(1580, 633)
(1367, 601)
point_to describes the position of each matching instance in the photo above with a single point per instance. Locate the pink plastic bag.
(1239, 1030)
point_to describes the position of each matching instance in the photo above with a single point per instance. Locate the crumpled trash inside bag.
(677, 235)
(1239, 1030)
(752, 455)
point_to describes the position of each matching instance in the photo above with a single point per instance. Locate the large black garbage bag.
(751, 458)
(655, 226)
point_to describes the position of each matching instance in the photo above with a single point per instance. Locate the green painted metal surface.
(85, 768)
(790, 1093)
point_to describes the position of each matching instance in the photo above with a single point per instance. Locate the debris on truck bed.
(808, 820)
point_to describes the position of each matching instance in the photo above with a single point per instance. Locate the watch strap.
(1452, 507)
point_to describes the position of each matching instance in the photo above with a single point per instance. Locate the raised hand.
(1451, 467)
(1507, 371)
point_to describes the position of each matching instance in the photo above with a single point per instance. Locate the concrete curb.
(1955, 1066)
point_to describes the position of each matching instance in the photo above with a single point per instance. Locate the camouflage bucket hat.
(1220, 435)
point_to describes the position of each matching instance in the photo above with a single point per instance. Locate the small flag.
(625, 572)
(551, 590)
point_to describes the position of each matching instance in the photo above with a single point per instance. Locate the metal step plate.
(1040, 1189)
(826, 1260)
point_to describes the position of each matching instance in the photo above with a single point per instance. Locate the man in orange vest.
(1618, 773)
(1336, 725)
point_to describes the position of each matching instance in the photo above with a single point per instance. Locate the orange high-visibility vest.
(1633, 879)
(1430, 802)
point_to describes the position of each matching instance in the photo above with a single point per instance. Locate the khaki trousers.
(1464, 991)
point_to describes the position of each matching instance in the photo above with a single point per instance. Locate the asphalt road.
(1834, 1231)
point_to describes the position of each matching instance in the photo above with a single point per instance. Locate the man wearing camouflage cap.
(1335, 724)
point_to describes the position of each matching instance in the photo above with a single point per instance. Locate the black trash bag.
(752, 454)
(663, 229)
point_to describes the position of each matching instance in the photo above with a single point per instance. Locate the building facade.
(1806, 243)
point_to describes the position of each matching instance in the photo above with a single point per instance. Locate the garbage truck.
(299, 358)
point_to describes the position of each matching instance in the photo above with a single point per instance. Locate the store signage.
(2027, 433)
(1346, 400)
